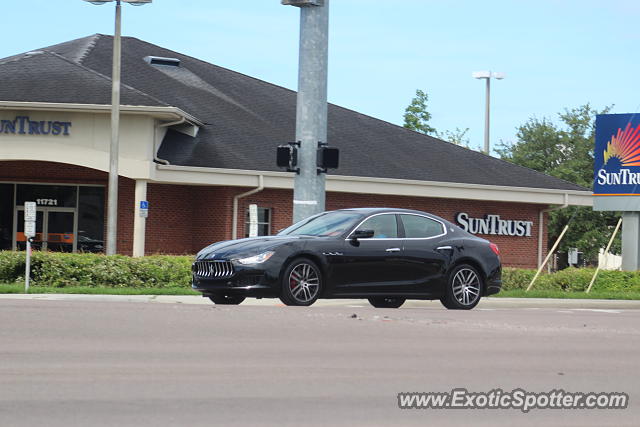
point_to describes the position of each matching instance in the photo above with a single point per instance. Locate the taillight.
(494, 248)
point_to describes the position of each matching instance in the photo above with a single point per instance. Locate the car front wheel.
(301, 283)
(463, 288)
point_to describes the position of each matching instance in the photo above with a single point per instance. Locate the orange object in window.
(20, 237)
(53, 237)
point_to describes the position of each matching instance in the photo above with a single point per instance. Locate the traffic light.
(327, 158)
(287, 157)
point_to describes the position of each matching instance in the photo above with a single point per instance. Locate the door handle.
(444, 248)
(392, 250)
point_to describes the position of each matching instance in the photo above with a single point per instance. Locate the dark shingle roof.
(42, 76)
(247, 118)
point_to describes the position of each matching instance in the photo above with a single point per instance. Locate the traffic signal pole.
(311, 111)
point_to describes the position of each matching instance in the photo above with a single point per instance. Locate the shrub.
(61, 270)
(572, 280)
(516, 278)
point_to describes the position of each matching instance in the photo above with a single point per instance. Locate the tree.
(457, 137)
(565, 150)
(416, 116)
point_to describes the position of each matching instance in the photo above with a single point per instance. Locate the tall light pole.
(112, 199)
(311, 110)
(487, 75)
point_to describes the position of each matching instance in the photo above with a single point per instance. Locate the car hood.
(245, 247)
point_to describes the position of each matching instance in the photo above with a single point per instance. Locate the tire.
(226, 299)
(301, 283)
(386, 302)
(464, 288)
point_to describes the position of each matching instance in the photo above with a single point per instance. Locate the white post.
(29, 232)
(139, 219)
(27, 273)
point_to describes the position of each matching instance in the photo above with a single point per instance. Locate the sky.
(556, 54)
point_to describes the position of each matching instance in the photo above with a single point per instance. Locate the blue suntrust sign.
(22, 125)
(617, 155)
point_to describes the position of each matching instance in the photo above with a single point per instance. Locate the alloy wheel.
(466, 286)
(304, 282)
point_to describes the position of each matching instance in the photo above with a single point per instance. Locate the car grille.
(213, 269)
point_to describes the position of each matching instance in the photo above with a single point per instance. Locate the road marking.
(598, 310)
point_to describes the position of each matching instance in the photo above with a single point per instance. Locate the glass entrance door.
(55, 229)
(60, 235)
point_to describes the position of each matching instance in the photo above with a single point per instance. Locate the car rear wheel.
(463, 288)
(226, 299)
(301, 283)
(386, 302)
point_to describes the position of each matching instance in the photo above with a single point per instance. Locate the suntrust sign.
(23, 125)
(617, 155)
(493, 224)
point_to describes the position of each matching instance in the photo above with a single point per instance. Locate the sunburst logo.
(624, 146)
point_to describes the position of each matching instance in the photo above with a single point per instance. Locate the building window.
(264, 222)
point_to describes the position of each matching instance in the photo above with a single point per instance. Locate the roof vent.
(158, 60)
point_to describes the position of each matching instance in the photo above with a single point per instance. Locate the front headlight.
(256, 259)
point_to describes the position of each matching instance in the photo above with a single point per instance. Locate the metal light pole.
(112, 198)
(487, 75)
(311, 111)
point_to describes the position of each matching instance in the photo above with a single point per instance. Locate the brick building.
(195, 136)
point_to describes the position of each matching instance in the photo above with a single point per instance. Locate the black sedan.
(384, 255)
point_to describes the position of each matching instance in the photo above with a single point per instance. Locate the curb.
(491, 303)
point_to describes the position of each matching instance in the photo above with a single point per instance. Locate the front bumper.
(245, 281)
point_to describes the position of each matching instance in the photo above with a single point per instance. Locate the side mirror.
(362, 234)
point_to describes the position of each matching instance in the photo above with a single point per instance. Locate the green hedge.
(572, 280)
(61, 270)
(162, 271)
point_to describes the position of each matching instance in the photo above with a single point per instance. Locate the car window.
(420, 227)
(325, 224)
(383, 226)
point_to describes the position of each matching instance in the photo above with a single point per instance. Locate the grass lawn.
(594, 294)
(12, 288)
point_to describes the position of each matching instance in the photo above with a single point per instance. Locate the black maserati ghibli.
(384, 255)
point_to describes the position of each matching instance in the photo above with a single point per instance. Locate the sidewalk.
(485, 303)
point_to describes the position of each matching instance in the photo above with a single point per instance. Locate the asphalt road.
(75, 362)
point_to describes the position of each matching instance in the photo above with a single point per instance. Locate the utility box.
(303, 3)
(575, 258)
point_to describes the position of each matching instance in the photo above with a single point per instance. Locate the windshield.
(325, 224)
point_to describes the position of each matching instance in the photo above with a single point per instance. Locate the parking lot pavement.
(122, 361)
(485, 303)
